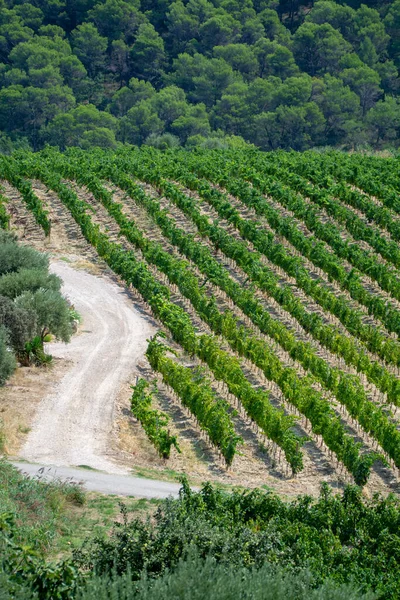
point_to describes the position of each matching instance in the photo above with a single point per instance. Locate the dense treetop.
(278, 73)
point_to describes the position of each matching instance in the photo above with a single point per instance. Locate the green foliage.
(341, 538)
(52, 312)
(196, 394)
(33, 352)
(64, 57)
(90, 47)
(34, 505)
(20, 323)
(25, 188)
(14, 256)
(154, 422)
(203, 545)
(7, 360)
(83, 126)
(4, 216)
(15, 283)
(162, 142)
(31, 513)
(31, 305)
(197, 579)
(248, 176)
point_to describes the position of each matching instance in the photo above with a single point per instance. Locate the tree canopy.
(31, 305)
(278, 73)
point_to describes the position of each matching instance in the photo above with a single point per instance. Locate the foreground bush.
(196, 579)
(206, 545)
(32, 512)
(339, 537)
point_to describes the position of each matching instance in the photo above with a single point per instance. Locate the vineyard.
(274, 280)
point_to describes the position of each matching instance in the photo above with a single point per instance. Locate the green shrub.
(338, 537)
(15, 256)
(7, 358)
(15, 283)
(162, 142)
(20, 323)
(32, 512)
(197, 579)
(51, 310)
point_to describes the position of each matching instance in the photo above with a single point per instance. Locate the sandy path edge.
(73, 424)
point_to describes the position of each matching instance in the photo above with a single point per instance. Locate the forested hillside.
(278, 73)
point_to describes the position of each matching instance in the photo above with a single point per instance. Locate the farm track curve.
(74, 423)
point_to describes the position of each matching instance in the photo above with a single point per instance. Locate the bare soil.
(20, 398)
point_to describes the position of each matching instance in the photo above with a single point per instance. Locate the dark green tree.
(90, 47)
(147, 54)
(319, 48)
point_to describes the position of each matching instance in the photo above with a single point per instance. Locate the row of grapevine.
(4, 216)
(274, 424)
(314, 251)
(9, 172)
(134, 236)
(154, 422)
(195, 393)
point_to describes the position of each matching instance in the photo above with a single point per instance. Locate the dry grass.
(20, 398)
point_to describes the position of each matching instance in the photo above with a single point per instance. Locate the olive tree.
(52, 311)
(14, 257)
(15, 283)
(7, 358)
(20, 324)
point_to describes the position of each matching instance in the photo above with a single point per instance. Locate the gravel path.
(105, 483)
(73, 424)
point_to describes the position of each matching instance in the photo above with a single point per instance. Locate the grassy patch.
(38, 507)
(54, 518)
(158, 474)
(57, 517)
(97, 518)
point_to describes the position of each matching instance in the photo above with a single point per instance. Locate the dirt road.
(94, 481)
(74, 423)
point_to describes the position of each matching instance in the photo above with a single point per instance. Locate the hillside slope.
(278, 73)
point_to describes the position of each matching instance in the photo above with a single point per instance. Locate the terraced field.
(274, 279)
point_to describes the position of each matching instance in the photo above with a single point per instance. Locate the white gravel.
(73, 424)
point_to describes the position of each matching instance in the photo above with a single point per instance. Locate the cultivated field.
(275, 280)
